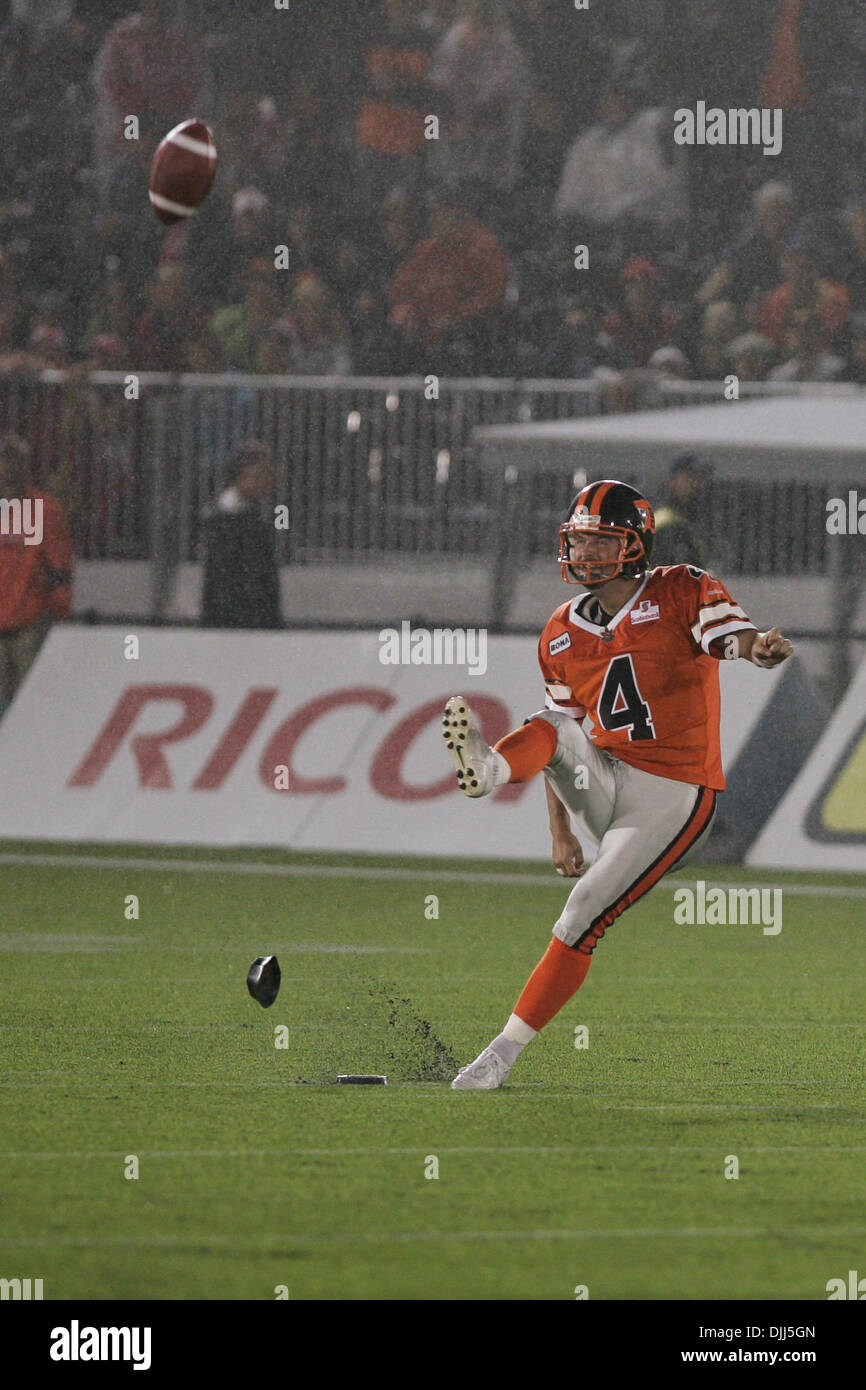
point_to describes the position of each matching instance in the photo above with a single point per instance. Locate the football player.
(628, 740)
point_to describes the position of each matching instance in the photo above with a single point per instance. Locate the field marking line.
(264, 869)
(537, 1088)
(172, 1026)
(462, 1149)
(71, 938)
(282, 1238)
(23, 945)
(434, 1089)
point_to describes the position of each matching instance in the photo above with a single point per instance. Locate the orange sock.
(557, 976)
(528, 749)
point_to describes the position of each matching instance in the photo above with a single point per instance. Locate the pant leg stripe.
(694, 827)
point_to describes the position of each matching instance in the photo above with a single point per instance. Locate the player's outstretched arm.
(567, 854)
(765, 649)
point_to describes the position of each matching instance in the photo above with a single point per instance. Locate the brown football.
(182, 171)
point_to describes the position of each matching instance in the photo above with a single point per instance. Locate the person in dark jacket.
(676, 540)
(241, 579)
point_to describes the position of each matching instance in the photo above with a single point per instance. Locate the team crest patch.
(646, 612)
(559, 644)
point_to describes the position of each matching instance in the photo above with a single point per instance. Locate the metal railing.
(368, 467)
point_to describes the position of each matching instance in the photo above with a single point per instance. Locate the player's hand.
(567, 855)
(770, 648)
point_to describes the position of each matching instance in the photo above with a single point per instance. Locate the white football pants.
(644, 824)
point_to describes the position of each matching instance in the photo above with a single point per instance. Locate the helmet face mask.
(609, 509)
(593, 570)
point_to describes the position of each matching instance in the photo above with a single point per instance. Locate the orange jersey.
(651, 684)
(35, 579)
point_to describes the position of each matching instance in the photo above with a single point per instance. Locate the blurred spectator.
(855, 369)
(365, 260)
(624, 171)
(149, 67)
(316, 331)
(568, 64)
(853, 269)
(396, 233)
(437, 16)
(310, 249)
(43, 16)
(127, 239)
(644, 323)
(482, 82)
(111, 312)
(395, 101)
(670, 363)
(807, 359)
(573, 349)
(11, 308)
(239, 328)
(203, 355)
(172, 317)
(267, 148)
(352, 268)
(237, 228)
(108, 353)
(751, 356)
(375, 342)
(719, 325)
(43, 151)
(806, 47)
(241, 587)
(622, 392)
(35, 67)
(251, 229)
(94, 476)
(456, 276)
(683, 506)
(752, 263)
(274, 356)
(689, 52)
(627, 35)
(320, 153)
(35, 568)
(804, 291)
(47, 346)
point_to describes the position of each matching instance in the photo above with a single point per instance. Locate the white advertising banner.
(821, 823)
(289, 739)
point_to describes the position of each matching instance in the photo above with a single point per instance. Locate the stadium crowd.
(453, 254)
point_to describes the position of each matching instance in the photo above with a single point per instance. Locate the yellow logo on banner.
(843, 809)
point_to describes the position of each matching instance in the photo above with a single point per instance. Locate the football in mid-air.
(182, 171)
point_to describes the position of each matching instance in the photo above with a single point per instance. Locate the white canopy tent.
(798, 439)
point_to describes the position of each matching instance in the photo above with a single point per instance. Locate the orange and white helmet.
(608, 508)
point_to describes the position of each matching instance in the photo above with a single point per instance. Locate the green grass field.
(601, 1167)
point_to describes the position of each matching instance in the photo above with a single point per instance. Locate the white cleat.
(486, 1073)
(473, 758)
